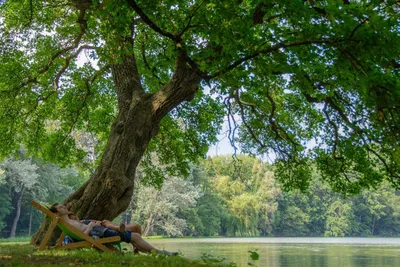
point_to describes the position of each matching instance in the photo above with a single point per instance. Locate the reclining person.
(95, 226)
(136, 228)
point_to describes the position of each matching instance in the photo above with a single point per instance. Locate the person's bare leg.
(136, 228)
(109, 225)
(140, 244)
(143, 246)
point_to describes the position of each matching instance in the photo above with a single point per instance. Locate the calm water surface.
(292, 251)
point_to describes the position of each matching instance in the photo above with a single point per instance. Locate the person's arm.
(90, 227)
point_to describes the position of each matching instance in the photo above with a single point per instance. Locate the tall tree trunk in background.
(17, 214)
(149, 224)
(108, 192)
(30, 222)
(373, 225)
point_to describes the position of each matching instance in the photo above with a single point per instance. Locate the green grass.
(15, 240)
(22, 254)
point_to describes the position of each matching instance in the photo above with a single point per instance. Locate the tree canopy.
(315, 83)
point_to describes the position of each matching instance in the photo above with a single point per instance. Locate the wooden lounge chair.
(82, 240)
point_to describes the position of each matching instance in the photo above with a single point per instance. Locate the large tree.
(287, 74)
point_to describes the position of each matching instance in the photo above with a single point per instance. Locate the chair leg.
(48, 234)
(60, 240)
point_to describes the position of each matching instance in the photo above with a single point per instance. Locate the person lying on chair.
(136, 228)
(96, 228)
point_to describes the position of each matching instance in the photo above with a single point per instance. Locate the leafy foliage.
(285, 73)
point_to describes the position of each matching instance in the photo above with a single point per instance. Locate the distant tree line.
(242, 198)
(220, 197)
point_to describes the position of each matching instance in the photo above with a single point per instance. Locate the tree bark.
(17, 214)
(108, 192)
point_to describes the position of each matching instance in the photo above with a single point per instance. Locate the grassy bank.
(22, 254)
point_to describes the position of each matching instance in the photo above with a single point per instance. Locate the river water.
(290, 251)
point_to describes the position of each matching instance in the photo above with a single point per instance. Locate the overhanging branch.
(83, 25)
(269, 50)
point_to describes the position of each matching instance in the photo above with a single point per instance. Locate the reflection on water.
(292, 251)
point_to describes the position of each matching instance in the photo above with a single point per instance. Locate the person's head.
(58, 209)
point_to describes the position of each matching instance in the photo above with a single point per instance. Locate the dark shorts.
(125, 236)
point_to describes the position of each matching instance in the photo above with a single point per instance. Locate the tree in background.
(291, 218)
(207, 217)
(158, 208)
(249, 190)
(25, 180)
(252, 203)
(5, 207)
(339, 219)
(22, 179)
(284, 73)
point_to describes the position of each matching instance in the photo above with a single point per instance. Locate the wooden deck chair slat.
(83, 236)
(48, 233)
(61, 239)
(77, 234)
(81, 244)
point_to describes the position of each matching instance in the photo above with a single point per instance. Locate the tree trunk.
(149, 224)
(373, 225)
(30, 222)
(108, 192)
(17, 214)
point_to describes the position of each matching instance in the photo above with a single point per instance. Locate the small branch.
(190, 18)
(336, 130)
(33, 79)
(150, 23)
(274, 125)
(67, 62)
(146, 63)
(231, 133)
(86, 96)
(30, 14)
(269, 50)
(241, 103)
(357, 27)
(381, 159)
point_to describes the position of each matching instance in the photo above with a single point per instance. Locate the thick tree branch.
(182, 86)
(127, 82)
(176, 38)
